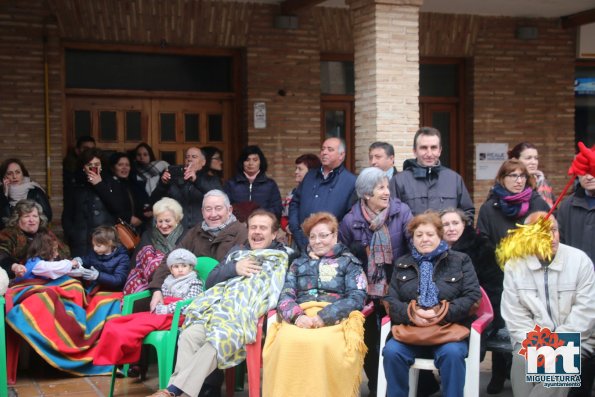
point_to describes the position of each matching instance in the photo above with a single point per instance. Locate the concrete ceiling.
(512, 8)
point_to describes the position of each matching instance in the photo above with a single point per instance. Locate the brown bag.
(436, 333)
(126, 234)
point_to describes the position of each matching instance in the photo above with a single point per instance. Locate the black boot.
(427, 384)
(499, 369)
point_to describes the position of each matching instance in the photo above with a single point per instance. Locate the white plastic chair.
(485, 315)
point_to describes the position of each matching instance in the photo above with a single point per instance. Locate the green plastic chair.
(3, 375)
(204, 265)
(164, 342)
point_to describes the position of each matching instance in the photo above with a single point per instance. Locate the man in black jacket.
(187, 184)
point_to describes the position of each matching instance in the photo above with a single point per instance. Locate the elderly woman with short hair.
(430, 279)
(26, 221)
(156, 243)
(317, 348)
(375, 231)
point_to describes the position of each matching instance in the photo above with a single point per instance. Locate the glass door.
(337, 121)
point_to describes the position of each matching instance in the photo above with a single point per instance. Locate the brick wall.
(523, 91)
(23, 25)
(518, 89)
(283, 71)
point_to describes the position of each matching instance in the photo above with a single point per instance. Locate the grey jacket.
(438, 187)
(577, 222)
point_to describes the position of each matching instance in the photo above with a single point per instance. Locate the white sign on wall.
(488, 159)
(260, 115)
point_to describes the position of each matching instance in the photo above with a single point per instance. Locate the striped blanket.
(62, 321)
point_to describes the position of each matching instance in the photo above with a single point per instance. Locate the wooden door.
(169, 126)
(179, 124)
(115, 123)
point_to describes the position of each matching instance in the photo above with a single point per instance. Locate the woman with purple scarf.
(510, 201)
(375, 232)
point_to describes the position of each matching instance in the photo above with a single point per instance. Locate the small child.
(43, 260)
(122, 337)
(109, 262)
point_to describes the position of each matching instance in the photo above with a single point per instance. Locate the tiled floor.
(42, 380)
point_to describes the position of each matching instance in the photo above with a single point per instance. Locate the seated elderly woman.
(27, 219)
(58, 318)
(432, 283)
(155, 244)
(318, 348)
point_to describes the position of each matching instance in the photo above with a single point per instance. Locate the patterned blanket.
(62, 321)
(230, 310)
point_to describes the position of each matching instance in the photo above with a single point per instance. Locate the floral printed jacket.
(337, 278)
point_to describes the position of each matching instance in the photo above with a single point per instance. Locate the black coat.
(89, 206)
(490, 276)
(189, 195)
(492, 222)
(36, 194)
(455, 279)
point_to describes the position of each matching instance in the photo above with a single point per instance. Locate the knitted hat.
(181, 255)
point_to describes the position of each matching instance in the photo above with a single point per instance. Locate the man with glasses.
(426, 184)
(187, 184)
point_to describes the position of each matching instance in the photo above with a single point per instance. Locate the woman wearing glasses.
(318, 347)
(511, 200)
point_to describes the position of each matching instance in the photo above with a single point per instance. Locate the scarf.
(167, 243)
(544, 188)
(179, 287)
(380, 251)
(251, 178)
(428, 291)
(513, 206)
(216, 229)
(20, 191)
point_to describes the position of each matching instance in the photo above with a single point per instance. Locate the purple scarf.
(380, 252)
(513, 206)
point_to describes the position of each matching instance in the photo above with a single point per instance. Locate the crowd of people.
(407, 243)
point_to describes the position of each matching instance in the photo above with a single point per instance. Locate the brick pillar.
(386, 41)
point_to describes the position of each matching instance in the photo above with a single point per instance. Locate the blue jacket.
(113, 268)
(355, 232)
(263, 191)
(316, 194)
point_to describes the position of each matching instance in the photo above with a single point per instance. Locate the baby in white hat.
(182, 283)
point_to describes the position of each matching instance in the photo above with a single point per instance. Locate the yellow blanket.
(320, 362)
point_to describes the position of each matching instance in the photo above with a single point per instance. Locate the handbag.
(435, 333)
(126, 234)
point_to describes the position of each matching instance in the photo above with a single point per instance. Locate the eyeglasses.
(321, 236)
(516, 177)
